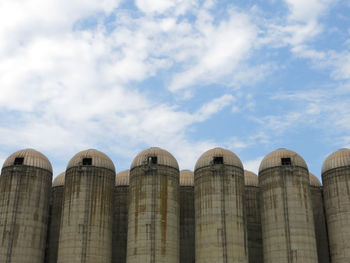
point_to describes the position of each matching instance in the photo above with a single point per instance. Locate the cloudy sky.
(184, 75)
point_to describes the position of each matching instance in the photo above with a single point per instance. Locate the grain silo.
(286, 210)
(187, 226)
(253, 218)
(120, 217)
(153, 224)
(336, 189)
(219, 209)
(55, 218)
(319, 219)
(25, 185)
(86, 220)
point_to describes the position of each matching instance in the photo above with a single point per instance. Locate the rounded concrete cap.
(30, 157)
(229, 158)
(186, 178)
(163, 158)
(122, 178)
(273, 159)
(314, 180)
(250, 178)
(337, 159)
(99, 159)
(59, 180)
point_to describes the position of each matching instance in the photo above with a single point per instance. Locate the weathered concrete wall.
(153, 220)
(286, 215)
(24, 211)
(220, 228)
(86, 224)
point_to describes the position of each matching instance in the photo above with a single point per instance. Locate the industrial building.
(156, 213)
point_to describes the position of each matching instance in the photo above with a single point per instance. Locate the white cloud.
(253, 165)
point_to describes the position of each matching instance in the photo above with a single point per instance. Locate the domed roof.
(98, 159)
(186, 178)
(59, 180)
(314, 180)
(275, 158)
(208, 158)
(122, 178)
(163, 158)
(250, 178)
(29, 157)
(337, 159)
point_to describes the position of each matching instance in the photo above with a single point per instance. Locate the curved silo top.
(186, 178)
(218, 156)
(314, 180)
(250, 178)
(122, 178)
(282, 157)
(91, 157)
(337, 159)
(59, 180)
(154, 155)
(28, 157)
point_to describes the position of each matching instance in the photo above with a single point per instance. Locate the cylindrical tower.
(319, 219)
(286, 210)
(153, 223)
(253, 218)
(187, 229)
(87, 212)
(219, 209)
(336, 189)
(120, 217)
(55, 218)
(25, 185)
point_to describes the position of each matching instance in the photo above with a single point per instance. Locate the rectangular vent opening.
(152, 160)
(18, 161)
(87, 161)
(286, 161)
(218, 160)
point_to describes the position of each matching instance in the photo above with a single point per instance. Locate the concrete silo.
(253, 218)
(87, 212)
(219, 209)
(319, 219)
(55, 218)
(120, 217)
(336, 189)
(25, 185)
(153, 220)
(187, 226)
(286, 209)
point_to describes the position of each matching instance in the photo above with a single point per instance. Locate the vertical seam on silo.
(86, 218)
(286, 216)
(153, 214)
(223, 213)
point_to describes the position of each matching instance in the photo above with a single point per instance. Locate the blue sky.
(186, 76)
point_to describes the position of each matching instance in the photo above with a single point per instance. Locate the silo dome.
(122, 178)
(314, 180)
(281, 157)
(250, 178)
(337, 159)
(28, 157)
(155, 155)
(186, 178)
(59, 180)
(91, 157)
(218, 155)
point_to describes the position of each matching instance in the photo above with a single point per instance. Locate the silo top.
(154, 155)
(337, 159)
(314, 180)
(218, 156)
(186, 178)
(28, 157)
(122, 178)
(282, 157)
(59, 180)
(250, 178)
(91, 157)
